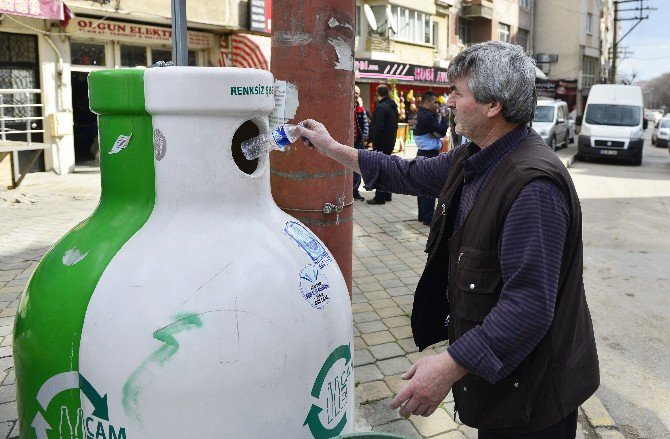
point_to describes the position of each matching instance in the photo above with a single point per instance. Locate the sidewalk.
(387, 262)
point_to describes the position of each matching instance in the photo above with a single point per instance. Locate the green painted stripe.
(51, 314)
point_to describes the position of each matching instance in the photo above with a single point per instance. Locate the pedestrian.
(503, 278)
(360, 135)
(384, 132)
(430, 128)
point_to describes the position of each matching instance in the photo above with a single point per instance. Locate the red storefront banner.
(49, 9)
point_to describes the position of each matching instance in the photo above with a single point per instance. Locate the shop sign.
(385, 70)
(116, 29)
(49, 9)
(260, 15)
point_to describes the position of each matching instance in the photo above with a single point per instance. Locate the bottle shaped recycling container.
(50, 316)
(222, 317)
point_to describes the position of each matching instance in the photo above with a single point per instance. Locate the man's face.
(470, 115)
(431, 104)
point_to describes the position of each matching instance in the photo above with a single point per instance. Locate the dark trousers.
(381, 195)
(358, 144)
(563, 429)
(426, 204)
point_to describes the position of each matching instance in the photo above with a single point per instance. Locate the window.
(133, 56)
(524, 4)
(610, 114)
(411, 25)
(464, 30)
(589, 20)
(504, 32)
(522, 39)
(85, 54)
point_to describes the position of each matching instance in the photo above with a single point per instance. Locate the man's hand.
(431, 378)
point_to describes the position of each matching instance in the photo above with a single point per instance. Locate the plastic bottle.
(279, 138)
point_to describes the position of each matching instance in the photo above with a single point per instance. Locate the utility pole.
(616, 40)
(313, 49)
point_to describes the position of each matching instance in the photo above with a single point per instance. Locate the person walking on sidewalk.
(384, 132)
(360, 135)
(503, 279)
(431, 126)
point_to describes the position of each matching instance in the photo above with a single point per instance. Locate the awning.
(245, 50)
(49, 9)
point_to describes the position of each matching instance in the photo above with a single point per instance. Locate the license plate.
(608, 152)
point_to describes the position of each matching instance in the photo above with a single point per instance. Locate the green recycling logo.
(337, 397)
(90, 427)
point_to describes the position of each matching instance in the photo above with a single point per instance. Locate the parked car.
(551, 122)
(661, 134)
(613, 124)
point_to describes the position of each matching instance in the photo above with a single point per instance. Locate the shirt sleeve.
(390, 173)
(530, 253)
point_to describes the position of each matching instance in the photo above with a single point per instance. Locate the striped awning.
(245, 50)
(49, 9)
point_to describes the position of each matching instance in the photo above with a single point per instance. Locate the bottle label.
(280, 137)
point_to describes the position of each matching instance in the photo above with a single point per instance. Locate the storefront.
(563, 90)
(103, 44)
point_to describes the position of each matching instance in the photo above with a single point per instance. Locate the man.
(384, 131)
(429, 130)
(503, 278)
(360, 135)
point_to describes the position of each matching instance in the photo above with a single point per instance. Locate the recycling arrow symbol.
(60, 383)
(318, 430)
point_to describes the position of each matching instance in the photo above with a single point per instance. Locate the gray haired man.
(503, 278)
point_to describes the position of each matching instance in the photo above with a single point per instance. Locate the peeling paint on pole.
(345, 56)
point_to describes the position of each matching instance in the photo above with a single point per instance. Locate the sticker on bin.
(308, 242)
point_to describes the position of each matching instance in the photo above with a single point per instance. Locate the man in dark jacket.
(360, 135)
(431, 126)
(504, 275)
(384, 132)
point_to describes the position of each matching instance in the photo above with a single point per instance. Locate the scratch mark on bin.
(73, 256)
(206, 282)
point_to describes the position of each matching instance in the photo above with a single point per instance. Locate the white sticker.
(314, 286)
(120, 144)
(308, 242)
(278, 115)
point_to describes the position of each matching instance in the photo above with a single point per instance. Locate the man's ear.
(495, 108)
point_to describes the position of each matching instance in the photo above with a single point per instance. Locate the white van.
(613, 124)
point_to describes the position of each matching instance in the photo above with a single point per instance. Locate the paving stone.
(408, 345)
(455, 434)
(6, 428)
(373, 391)
(380, 270)
(468, 432)
(368, 288)
(606, 433)
(357, 307)
(377, 295)
(386, 350)
(394, 366)
(596, 413)
(358, 298)
(369, 327)
(359, 343)
(5, 351)
(391, 283)
(7, 341)
(363, 357)
(8, 312)
(390, 312)
(385, 276)
(7, 394)
(379, 413)
(404, 300)
(8, 411)
(16, 282)
(394, 322)
(438, 422)
(395, 383)
(415, 356)
(367, 373)
(401, 332)
(10, 378)
(369, 316)
(376, 338)
(382, 303)
(402, 428)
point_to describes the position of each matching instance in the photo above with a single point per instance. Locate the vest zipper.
(458, 261)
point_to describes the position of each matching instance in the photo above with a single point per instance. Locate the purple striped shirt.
(530, 248)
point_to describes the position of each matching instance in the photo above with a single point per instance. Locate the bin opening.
(244, 132)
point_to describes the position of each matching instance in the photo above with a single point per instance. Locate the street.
(626, 211)
(627, 249)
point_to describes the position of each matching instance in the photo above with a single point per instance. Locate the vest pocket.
(481, 404)
(476, 282)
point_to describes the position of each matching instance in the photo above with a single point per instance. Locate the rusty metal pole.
(312, 47)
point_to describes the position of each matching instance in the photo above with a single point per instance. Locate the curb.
(600, 419)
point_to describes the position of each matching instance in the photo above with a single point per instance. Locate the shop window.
(86, 54)
(503, 32)
(464, 30)
(522, 37)
(133, 56)
(166, 55)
